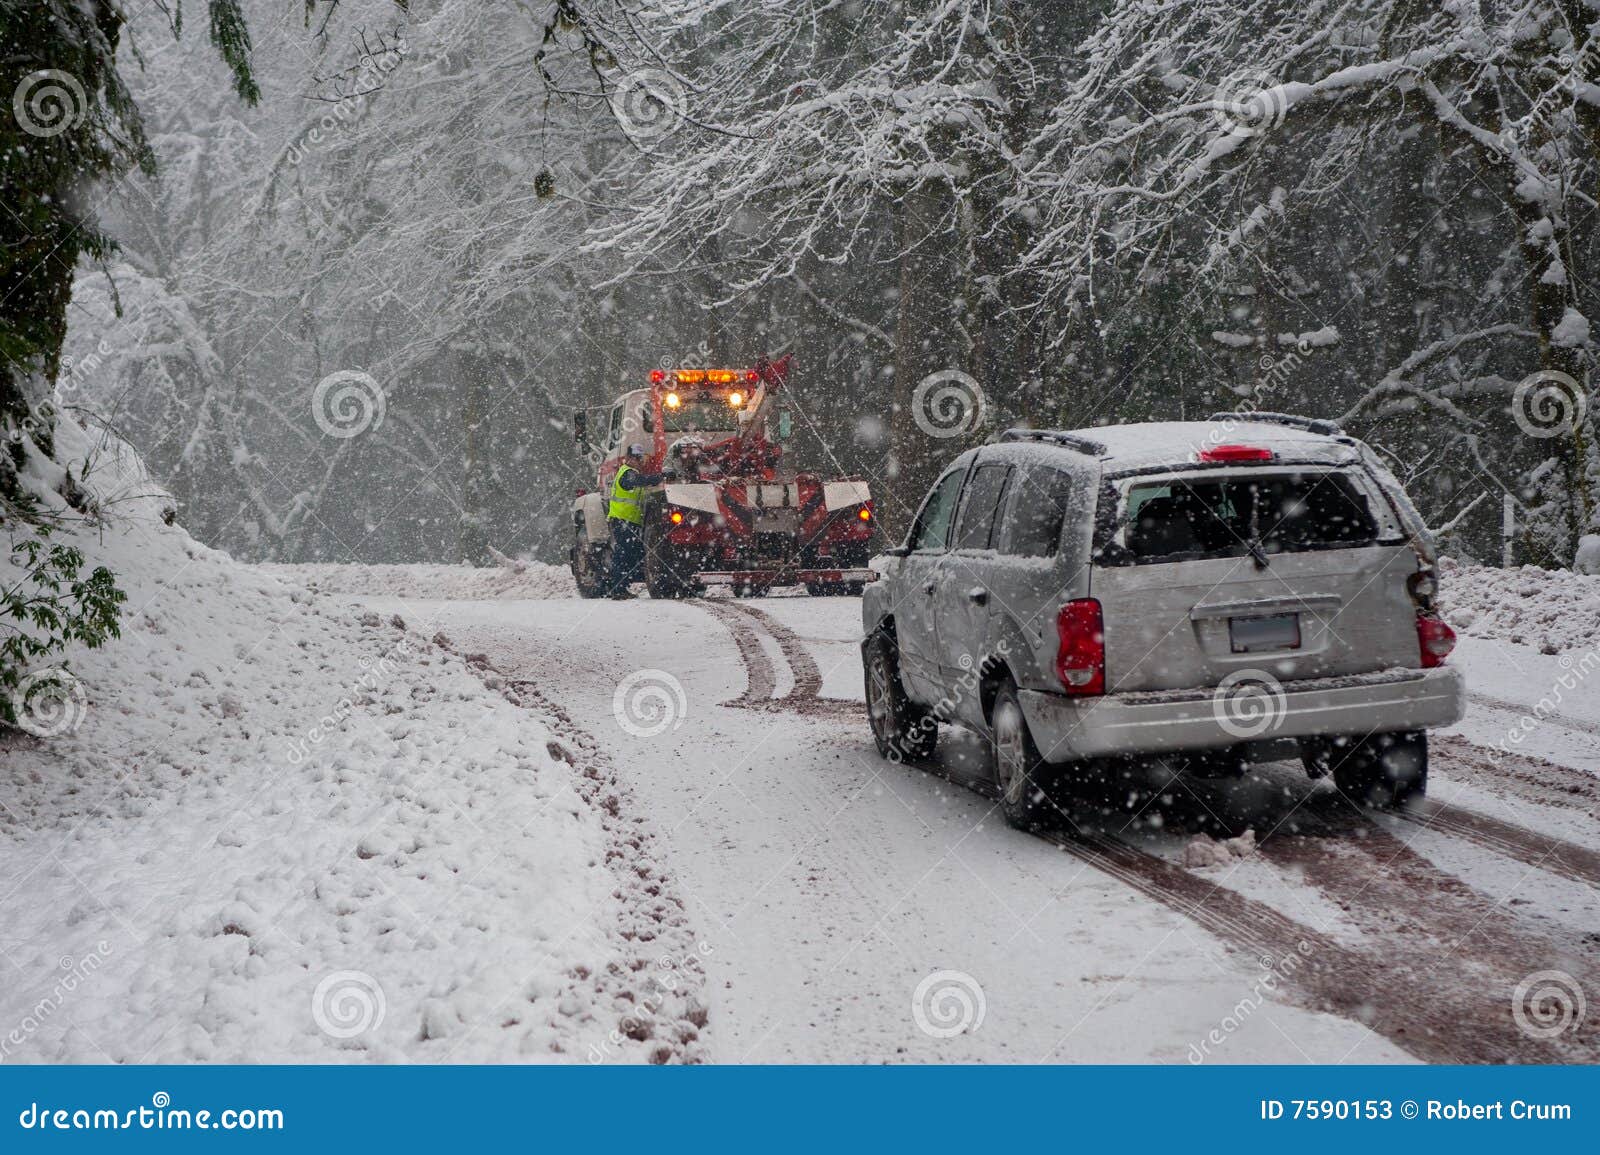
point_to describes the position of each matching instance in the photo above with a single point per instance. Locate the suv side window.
(933, 523)
(1038, 507)
(984, 495)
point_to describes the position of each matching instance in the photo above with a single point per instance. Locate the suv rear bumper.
(1067, 729)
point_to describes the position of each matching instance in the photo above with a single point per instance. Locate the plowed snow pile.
(282, 830)
(1553, 611)
(515, 580)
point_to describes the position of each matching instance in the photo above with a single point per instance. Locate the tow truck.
(727, 513)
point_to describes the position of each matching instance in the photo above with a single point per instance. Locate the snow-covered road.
(849, 908)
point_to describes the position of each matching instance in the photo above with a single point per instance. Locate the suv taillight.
(1435, 639)
(1081, 658)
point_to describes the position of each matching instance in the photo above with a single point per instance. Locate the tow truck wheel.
(589, 566)
(663, 567)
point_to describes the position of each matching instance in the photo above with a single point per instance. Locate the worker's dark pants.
(627, 554)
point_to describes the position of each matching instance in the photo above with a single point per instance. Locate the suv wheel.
(902, 730)
(1383, 770)
(1023, 777)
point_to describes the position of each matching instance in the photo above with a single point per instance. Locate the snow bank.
(1552, 610)
(434, 582)
(282, 829)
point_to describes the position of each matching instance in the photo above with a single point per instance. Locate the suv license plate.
(1250, 635)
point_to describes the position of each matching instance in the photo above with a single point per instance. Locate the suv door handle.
(978, 596)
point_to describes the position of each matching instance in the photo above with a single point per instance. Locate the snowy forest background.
(1381, 211)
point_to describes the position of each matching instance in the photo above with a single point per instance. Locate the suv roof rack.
(1056, 437)
(1309, 424)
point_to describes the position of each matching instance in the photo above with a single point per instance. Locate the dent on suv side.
(1210, 592)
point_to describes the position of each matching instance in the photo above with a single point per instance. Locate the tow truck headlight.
(736, 399)
(672, 401)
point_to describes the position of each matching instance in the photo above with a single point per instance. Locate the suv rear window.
(1200, 516)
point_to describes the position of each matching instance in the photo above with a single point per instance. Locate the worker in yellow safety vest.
(625, 514)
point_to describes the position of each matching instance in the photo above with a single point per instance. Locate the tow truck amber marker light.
(865, 515)
(677, 517)
(1235, 453)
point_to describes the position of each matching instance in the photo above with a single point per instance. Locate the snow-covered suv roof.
(1152, 443)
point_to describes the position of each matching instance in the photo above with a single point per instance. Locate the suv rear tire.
(1382, 771)
(1024, 779)
(902, 730)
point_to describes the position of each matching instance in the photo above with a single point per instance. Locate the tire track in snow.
(804, 695)
(1441, 932)
(761, 679)
(1578, 863)
(1395, 992)
(1561, 721)
(1533, 779)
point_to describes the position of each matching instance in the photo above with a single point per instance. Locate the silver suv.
(1212, 593)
